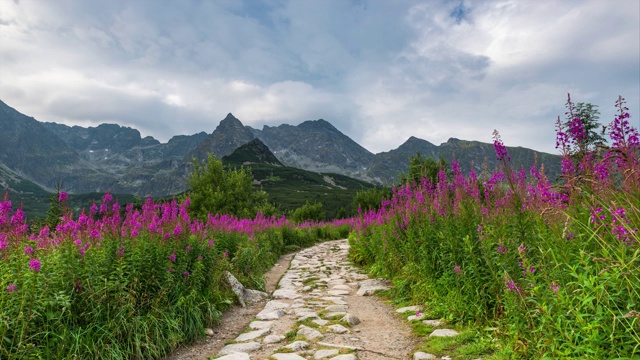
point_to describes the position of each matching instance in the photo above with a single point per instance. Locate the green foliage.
(371, 199)
(424, 168)
(589, 115)
(290, 188)
(216, 190)
(308, 212)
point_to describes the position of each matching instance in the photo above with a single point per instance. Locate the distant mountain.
(228, 136)
(116, 158)
(316, 146)
(31, 150)
(469, 155)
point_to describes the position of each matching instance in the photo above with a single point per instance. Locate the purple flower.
(34, 264)
(501, 150)
(226, 254)
(121, 251)
(28, 250)
(62, 196)
(186, 273)
(172, 257)
(11, 288)
(511, 286)
(200, 257)
(457, 270)
(554, 287)
(188, 248)
(107, 198)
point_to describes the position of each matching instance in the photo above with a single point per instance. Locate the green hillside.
(289, 188)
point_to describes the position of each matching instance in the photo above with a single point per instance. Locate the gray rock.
(338, 292)
(272, 339)
(434, 323)
(209, 332)
(415, 317)
(345, 357)
(298, 345)
(321, 354)
(273, 315)
(408, 308)
(235, 356)
(443, 333)
(352, 320)
(336, 308)
(309, 333)
(259, 325)
(242, 347)
(286, 293)
(339, 329)
(245, 296)
(252, 335)
(287, 357)
(320, 322)
(334, 314)
(369, 287)
(423, 356)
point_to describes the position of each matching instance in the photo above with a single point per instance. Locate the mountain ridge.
(116, 158)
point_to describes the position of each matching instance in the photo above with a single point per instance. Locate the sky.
(379, 70)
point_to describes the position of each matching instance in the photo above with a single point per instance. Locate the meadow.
(551, 270)
(121, 283)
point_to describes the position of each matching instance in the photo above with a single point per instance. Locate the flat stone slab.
(322, 354)
(320, 322)
(338, 329)
(334, 314)
(336, 308)
(434, 323)
(443, 333)
(289, 356)
(345, 357)
(259, 325)
(408, 308)
(423, 356)
(286, 293)
(275, 305)
(252, 335)
(242, 347)
(272, 315)
(272, 339)
(309, 333)
(415, 317)
(298, 345)
(235, 356)
(338, 292)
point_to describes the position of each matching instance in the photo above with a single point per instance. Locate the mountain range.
(119, 159)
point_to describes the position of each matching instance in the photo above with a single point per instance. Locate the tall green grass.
(555, 269)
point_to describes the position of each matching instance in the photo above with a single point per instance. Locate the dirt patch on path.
(233, 321)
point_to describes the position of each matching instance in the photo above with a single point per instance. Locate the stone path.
(321, 311)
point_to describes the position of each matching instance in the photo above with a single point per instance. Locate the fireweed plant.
(121, 283)
(554, 268)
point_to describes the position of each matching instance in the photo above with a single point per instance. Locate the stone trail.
(321, 310)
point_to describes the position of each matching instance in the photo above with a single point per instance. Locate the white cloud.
(379, 71)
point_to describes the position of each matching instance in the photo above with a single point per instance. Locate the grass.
(549, 266)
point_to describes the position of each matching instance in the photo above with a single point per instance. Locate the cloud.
(380, 71)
